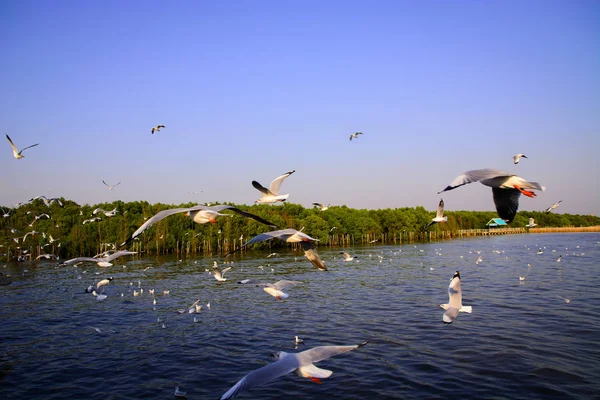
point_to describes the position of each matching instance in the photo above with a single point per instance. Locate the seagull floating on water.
(355, 135)
(506, 188)
(157, 128)
(454, 305)
(111, 187)
(219, 275)
(517, 157)
(291, 235)
(16, 153)
(301, 363)
(271, 195)
(439, 217)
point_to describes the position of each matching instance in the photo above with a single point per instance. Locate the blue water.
(522, 340)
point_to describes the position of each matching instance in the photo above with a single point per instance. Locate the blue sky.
(249, 90)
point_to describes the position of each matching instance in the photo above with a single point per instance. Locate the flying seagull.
(16, 153)
(553, 206)
(274, 289)
(517, 157)
(439, 217)
(219, 275)
(271, 195)
(321, 206)
(291, 235)
(301, 363)
(531, 223)
(111, 187)
(199, 214)
(109, 214)
(506, 188)
(157, 128)
(454, 305)
(348, 257)
(355, 135)
(101, 261)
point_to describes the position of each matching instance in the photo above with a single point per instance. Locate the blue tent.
(496, 222)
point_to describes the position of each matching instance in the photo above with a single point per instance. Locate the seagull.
(111, 187)
(100, 285)
(219, 275)
(439, 217)
(291, 235)
(91, 220)
(521, 278)
(355, 135)
(32, 233)
(16, 153)
(559, 258)
(553, 206)
(454, 304)
(157, 128)
(179, 393)
(106, 213)
(531, 223)
(276, 289)
(321, 206)
(101, 261)
(517, 157)
(347, 257)
(506, 189)
(199, 214)
(48, 201)
(271, 195)
(47, 257)
(566, 299)
(299, 341)
(301, 363)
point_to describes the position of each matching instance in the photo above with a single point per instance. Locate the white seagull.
(199, 214)
(109, 214)
(348, 257)
(301, 363)
(553, 206)
(48, 201)
(111, 187)
(355, 135)
(219, 275)
(531, 223)
(157, 128)
(16, 153)
(439, 217)
(91, 220)
(454, 305)
(517, 157)
(274, 289)
(506, 189)
(101, 261)
(291, 235)
(321, 206)
(271, 195)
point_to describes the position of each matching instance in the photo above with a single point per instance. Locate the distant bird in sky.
(531, 223)
(109, 214)
(321, 206)
(48, 201)
(271, 195)
(157, 128)
(111, 187)
(301, 363)
(101, 261)
(517, 157)
(16, 153)
(355, 135)
(348, 257)
(274, 289)
(439, 217)
(553, 206)
(454, 305)
(291, 235)
(199, 214)
(506, 189)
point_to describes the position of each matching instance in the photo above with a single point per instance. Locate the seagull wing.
(117, 184)
(160, 216)
(106, 183)
(282, 284)
(318, 205)
(28, 147)
(15, 150)
(280, 234)
(225, 270)
(243, 213)
(274, 187)
(346, 255)
(263, 375)
(119, 254)
(321, 353)
(260, 188)
(440, 209)
(507, 202)
(475, 176)
(310, 252)
(79, 259)
(450, 315)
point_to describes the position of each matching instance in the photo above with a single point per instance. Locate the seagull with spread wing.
(271, 195)
(553, 206)
(157, 128)
(101, 261)
(111, 187)
(16, 153)
(439, 217)
(506, 189)
(518, 157)
(454, 305)
(355, 135)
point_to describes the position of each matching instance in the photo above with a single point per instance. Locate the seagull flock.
(506, 190)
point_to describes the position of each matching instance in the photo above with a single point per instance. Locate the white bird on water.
(291, 235)
(16, 153)
(111, 187)
(219, 275)
(439, 217)
(274, 289)
(301, 363)
(355, 135)
(157, 128)
(506, 188)
(517, 157)
(271, 195)
(454, 305)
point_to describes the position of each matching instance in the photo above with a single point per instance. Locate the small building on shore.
(496, 222)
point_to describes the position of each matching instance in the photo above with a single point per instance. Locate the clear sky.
(249, 90)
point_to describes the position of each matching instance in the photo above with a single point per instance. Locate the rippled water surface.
(521, 341)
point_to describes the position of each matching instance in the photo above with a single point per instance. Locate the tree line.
(65, 234)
